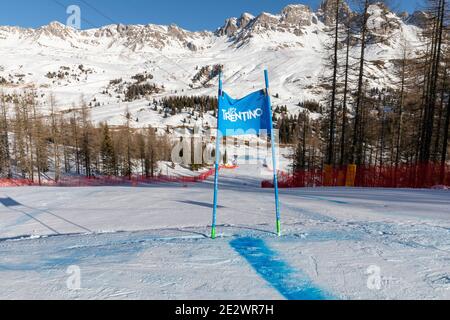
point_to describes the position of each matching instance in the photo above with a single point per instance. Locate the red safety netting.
(15, 182)
(402, 176)
(76, 181)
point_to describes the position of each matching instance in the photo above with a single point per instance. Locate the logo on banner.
(238, 116)
(232, 115)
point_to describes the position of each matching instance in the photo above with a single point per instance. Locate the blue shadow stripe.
(290, 283)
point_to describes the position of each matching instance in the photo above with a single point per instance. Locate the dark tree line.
(177, 104)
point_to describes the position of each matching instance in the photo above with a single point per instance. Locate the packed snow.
(152, 242)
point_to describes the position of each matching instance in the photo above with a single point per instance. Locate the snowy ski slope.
(152, 242)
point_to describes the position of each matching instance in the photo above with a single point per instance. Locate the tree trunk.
(330, 153)
(357, 143)
(344, 106)
(445, 142)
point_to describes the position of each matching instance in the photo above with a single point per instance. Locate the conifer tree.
(107, 153)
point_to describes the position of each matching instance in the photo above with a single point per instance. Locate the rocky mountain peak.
(55, 29)
(54, 25)
(382, 22)
(297, 14)
(418, 19)
(229, 29)
(327, 11)
(245, 19)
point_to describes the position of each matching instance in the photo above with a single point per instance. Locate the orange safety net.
(401, 176)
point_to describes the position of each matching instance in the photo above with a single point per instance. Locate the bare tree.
(5, 157)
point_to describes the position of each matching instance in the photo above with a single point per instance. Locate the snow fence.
(401, 176)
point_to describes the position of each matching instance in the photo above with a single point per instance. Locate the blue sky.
(189, 14)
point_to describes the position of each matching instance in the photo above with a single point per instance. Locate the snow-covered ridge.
(134, 37)
(293, 18)
(291, 44)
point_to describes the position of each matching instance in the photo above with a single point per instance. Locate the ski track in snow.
(152, 242)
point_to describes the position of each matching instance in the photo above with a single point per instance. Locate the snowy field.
(152, 242)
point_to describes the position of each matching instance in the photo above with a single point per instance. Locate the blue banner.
(249, 115)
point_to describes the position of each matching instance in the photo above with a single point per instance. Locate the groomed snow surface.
(152, 242)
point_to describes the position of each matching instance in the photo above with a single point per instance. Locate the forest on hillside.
(69, 143)
(378, 126)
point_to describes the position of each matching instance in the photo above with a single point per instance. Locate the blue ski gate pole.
(274, 160)
(216, 175)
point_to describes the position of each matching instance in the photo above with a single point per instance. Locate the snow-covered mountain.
(100, 63)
